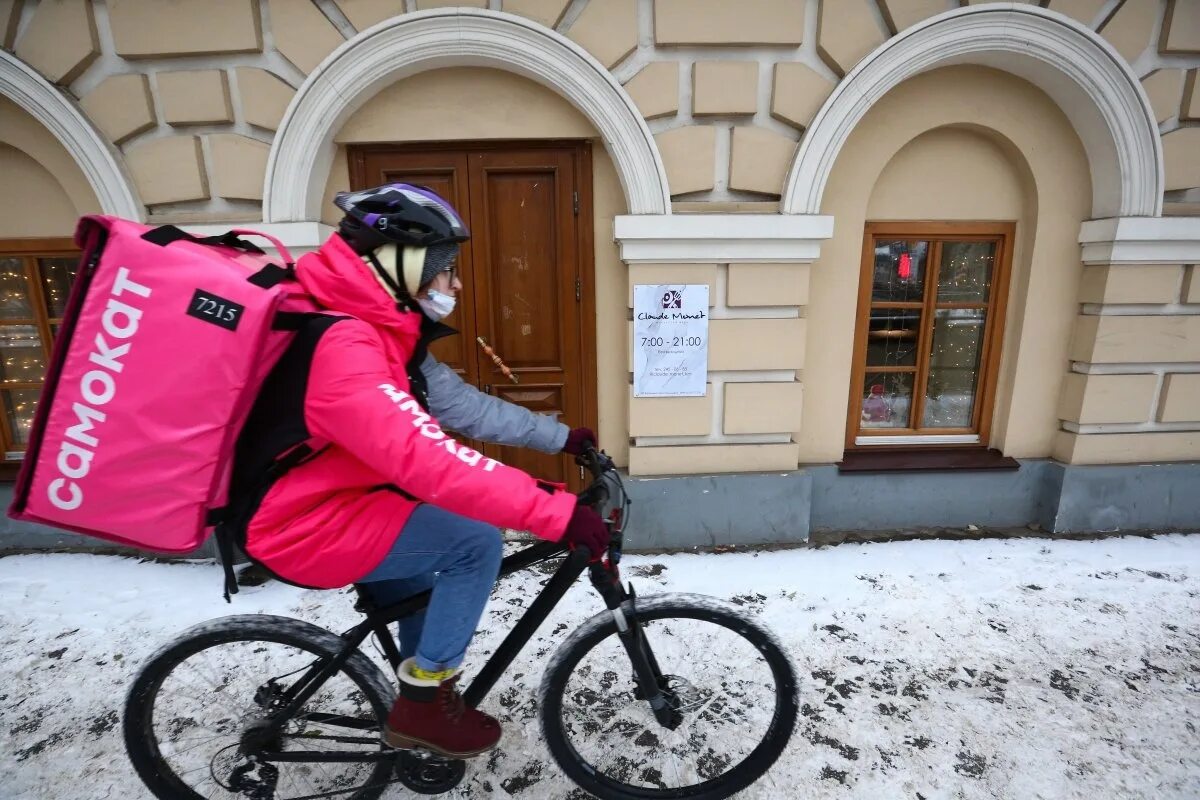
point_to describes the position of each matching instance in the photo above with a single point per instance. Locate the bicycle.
(297, 710)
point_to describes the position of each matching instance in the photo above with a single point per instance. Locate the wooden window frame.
(936, 232)
(30, 250)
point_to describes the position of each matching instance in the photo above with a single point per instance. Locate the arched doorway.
(1080, 71)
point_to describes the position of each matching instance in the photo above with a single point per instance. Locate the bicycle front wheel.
(724, 673)
(196, 705)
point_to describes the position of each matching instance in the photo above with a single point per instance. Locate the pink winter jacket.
(326, 523)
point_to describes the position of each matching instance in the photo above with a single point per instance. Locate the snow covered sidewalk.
(973, 669)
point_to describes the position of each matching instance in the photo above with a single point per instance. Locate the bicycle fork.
(651, 683)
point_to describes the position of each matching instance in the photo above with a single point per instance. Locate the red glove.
(578, 440)
(586, 528)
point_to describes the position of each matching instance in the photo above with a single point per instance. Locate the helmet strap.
(404, 301)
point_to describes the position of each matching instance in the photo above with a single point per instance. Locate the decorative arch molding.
(45, 103)
(1078, 69)
(303, 150)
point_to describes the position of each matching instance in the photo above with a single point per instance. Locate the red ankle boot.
(433, 716)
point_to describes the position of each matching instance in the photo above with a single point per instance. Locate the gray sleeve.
(466, 410)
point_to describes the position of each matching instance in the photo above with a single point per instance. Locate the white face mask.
(437, 306)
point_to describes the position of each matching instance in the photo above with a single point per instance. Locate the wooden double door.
(526, 272)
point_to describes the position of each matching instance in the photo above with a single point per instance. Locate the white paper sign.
(670, 340)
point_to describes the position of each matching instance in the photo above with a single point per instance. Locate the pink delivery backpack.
(166, 340)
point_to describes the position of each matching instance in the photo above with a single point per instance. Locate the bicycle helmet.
(398, 213)
(423, 228)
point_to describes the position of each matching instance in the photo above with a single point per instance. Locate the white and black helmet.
(398, 213)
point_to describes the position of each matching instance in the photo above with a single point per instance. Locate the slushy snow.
(1020, 668)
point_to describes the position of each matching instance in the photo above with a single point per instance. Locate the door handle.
(490, 353)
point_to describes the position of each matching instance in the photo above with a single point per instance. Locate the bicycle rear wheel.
(193, 705)
(724, 672)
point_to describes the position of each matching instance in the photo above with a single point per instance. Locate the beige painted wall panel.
(725, 87)
(1191, 97)
(473, 103)
(239, 166)
(302, 33)
(1095, 399)
(608, 30)
(1116, 340)
(264, 97)
(768, 285)
(689, 157)
(1181, 158)
(120, 106)
(653, 274)
(20, 130)
(670, 416)
(168, 170)
(465, 103)
(1180, 401)
(338, 181)
(763, 407)
(1045, 161)
(719, 22)
(1130, 29)
(546, 12)
(1191, 292)
(711, 459)
(365, 13)
(1084, 11)
(33, 203)
(906, 13)
(798, 93)
(1126, 448)
(848, 30)
(746, 344)
(612, 368)
(655, 89)
(1125, 284)
(1181, 27)
(978, 161)
(10, 17)
(60, 40)
(1164, 87)
(760, 161)
(153, 28)
(194, 97)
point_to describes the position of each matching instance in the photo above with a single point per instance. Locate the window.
(927, 339)
(35, 280)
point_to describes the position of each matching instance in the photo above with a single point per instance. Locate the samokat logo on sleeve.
(215, 309)
(431, 430)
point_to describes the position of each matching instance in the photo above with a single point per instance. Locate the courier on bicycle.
(345, 474)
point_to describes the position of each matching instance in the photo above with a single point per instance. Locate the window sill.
(943, 459)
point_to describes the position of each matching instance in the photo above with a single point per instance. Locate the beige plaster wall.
(32, 204)
(992, 164)
(20, 131)
(475, 103)
(148, 39)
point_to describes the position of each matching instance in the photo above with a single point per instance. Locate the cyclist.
(392, 502)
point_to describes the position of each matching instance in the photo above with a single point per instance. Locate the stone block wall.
(187, 90)
(757, 334)
(1133, 395)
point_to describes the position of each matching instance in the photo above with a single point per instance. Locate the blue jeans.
(456, 556)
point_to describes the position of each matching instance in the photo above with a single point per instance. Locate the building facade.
(952, 248)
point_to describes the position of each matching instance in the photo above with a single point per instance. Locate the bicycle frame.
(605, 578)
